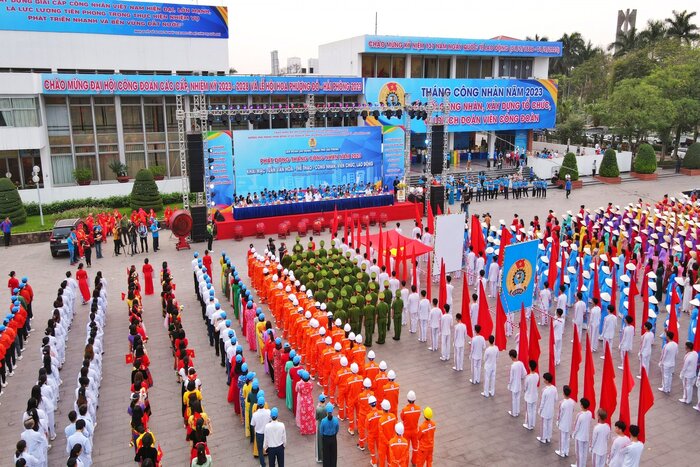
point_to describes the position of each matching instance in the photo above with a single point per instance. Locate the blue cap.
(233, 339)
(258, 311)
(21, 286)
(228, 321)
(15, 309)
(239, 359)
(261, 401)
(296, 360)
(322, 397)
(16, 302)
(261, 317)
(24, 279)
(286, 345)
(199, 262)
(230, 332)
(278, 341)
(261, 393)
(292, 354)
(196, 255)
(253, 373)
(239, 348)
(13, 298)
(304, 375)
(218, 305)
(2, 328)
(256, 384)
(249, 305)
(274, 413)
(329, 408)
(244, 367)
(15, 291)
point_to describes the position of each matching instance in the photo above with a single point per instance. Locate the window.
(131, 115)
(474, 68)
(486, 68)
(383, 66)
(57, 120)
(369, 69)
(19, 112)
(9, 165)
(135, 158)
(105, 115)
(430, 67)
(416, 66)
(461, 68)
(516, 68)
(398, 67)
(444, 68)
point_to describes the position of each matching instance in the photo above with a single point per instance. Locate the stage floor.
(226, 228)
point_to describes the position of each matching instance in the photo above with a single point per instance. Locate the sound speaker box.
(195, 162)
(199, 223)
(437, 198)
(438, 144)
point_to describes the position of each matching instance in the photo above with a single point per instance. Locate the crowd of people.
(310, 193)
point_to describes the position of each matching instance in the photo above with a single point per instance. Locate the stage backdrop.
(217, 146)
(449, 242)
(518, 275)
(394, 144)
(300, 157)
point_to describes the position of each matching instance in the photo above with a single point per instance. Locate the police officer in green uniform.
(355, 315)
(382, 318)
(397, 308)
(369, 312)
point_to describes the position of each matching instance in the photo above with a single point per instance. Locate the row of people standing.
(15, 327)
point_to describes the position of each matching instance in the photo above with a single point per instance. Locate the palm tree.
(588, 51)
(655, 31)
(682, 27)
(537, 38)
(572, 44)
(626, 42)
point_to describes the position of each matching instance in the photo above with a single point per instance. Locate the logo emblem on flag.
(519, 277)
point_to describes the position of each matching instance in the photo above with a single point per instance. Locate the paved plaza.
(470, 429)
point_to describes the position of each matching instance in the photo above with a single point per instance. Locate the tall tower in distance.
(626, 20)
(275, 66)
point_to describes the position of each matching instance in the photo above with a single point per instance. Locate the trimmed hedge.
(145, 193)
(608, 167)
(569, 167)
(692, 157)
(645, 161)
(100, 204)
(10, 203)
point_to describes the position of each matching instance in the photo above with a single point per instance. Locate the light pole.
(36, 179)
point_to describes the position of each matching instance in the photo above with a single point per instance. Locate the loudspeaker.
(195, 165)
(218, 216)
(437, 198)
(199, 223)
(438, 144)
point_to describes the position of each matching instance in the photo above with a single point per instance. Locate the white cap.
(372, 399)
(323, 307)
(605, 296)
(383, 365)
(328, 340)
(651, 275)
(371, 355)
(679, 280)
(288, 288)
(337, 346)
(399, 428)
(571, 269)
(411, 396)
(265, 270)
(322, 330)
(386, 405)
(695, 302)
(652, 286)
(280, 285)
(297, 283)
(343, 361)
(307, 315)
(275, 277)
(314, 323)
(347, 327)
(351, 336)
(625, 278)
(358, 338)
(302, 288)
(608, 282)
(354, 368)
(653, 300)
(367, 383)
(545, 260)
(391, 374)
(338, 322)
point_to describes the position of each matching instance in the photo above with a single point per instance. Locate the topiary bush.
(569, 167)
(692, 157)
(608, 167)
(645, 161)
(145, 193)
(10, 203)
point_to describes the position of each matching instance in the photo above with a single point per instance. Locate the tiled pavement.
(471, 430)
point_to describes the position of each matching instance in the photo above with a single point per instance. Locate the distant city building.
(626, 20)
(294, 65)
(275, 65)
(313, 66)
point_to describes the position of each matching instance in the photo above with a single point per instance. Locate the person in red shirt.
(206, 261)
(12, 282)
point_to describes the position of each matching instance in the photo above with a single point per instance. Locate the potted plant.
(691, 161)
(158, 172)
(120, 170)
(609, 171)
(82, 175)
(569, 166)
(644, 167)
(401, 192)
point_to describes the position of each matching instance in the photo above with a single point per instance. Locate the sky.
(296, 29)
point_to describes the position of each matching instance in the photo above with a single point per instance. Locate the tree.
(608, 166)
(655, 31)
(626, 42)
(645, 160)
(682, 27)
(692, 157)
(537, 38)
(569, 167)
(572, 44)
(10, 203)
(145, 193)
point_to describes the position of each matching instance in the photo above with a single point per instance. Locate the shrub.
(145, 193)
(692, 157)
(119, 169)
(10, 203)
(157, 170)
(608, 167)
(82, 174)
(569, 167)
(100, 204)
(645, 161)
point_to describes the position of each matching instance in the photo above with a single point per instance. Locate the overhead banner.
(218, 145)
(115, 17)
(475, 104)
(518, 275)
(394, 147)
(452, 46)
(303, 157)
(137, 85)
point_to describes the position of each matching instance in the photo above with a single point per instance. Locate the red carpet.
(225, 229)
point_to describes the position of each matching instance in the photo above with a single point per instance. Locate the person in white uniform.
(599, 440)
(446, 322)
(626, 339)
(632, 453)
(459, 340)
(689, 373)
(493, 279)
(450, 290)
(434, 323)
(619, 443)
(558, 324)
(404, 298)
(476, 353)
(668, 362)
(561, 299)
(490, 360)
(582, 432)
(474, 311)
(515, 382)
(645, 349)
(609, 327)
(471, 266)
(579, 312)
(531, 395)
(594, 324)
(548, 402)
(564, 419)
(412, 303)
(423, 315)
(545, 297)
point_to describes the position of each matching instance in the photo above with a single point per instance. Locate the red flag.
(575, 364)
(358, 235)
(553, 258)
(589, 376)
(631, 302)
(696, 342)
(613, 292)
(580, 275)
(367, 240)
(429, 280)
(627, 386)
(608, 388)
(404, 266)
(646, 401)
(500, 337)
(645, 301)
(476, 237)
(673, 318)
(466, 318)
(562, 269)
(439, 210)
(431, 220)
(387, 258)
(345, 229)
(522, 342)
(552, 366)
(484, 320)
(419, 216)
(596, 281)
(414, 266)
(334, 224)
(380, 251)
(442, 291)
(533, 350)
(506, 237)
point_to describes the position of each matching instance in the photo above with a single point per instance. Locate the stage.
(226, 229)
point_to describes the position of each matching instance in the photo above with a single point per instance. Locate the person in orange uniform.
(363, 409)
(342, 383)
(371, 367)
(426, 439)
(387, 421)
(398, 448)
(353, 394)
(333, 372)
(391, 392)
(359, 353)
(372, 423)
(337, 333)
(410, 416)
(324, 365)
(380, 380)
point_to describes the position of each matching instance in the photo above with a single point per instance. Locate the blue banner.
(115, 17)
(393, 147)
(518, 275)
(304, 157)
(451, 46)
(218, 145)
(475, 104)
(137, 85)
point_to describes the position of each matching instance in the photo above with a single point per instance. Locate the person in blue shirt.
(567, 186)
(6, 226)
(71, 241)
(154, 234)
(329, 430)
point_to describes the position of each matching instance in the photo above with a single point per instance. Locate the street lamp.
(36, 179)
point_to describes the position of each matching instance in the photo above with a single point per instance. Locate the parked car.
(59, 235)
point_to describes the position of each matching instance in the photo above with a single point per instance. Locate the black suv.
(59, 235)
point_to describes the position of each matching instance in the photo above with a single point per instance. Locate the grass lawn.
(33, 223)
